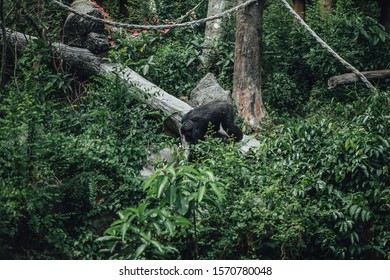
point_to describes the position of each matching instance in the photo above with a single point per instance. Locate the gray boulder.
(208, 90)
(162, 155)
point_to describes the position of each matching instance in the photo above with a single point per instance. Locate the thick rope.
(156, 27)
(329, 49)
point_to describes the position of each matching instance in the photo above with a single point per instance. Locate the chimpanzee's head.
(191, 132)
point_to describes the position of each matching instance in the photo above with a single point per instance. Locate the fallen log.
(85, 63)
(350, 78)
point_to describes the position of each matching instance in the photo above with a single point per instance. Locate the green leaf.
(107, 238)
(188, 169)
(161, 186)
(210, 175)
(124, 228)
(182, 205)
(380, 250)
(170, 227)
(201, 192)
(190, 61)
(181, 221)
(140, 250)
(352, 209)
(217, 191)
(214, 203)
(157, 245)
(151, 180)
(172, 194)
(141, 209)
(171, 169)
(147, 236)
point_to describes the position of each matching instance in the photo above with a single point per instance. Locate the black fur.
(197, 122)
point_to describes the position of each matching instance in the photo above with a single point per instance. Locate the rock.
(163, 155)
(80, 32)
(97, 43)
(208, 90)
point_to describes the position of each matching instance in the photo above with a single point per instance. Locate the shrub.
(315, 189)
(66, 168)
(294, 60)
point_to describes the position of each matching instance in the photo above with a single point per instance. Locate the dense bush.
(297, 68)
(173, 65)
(315, 189)
(66, 167)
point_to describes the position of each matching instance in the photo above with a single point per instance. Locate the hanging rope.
(156, 27)
(329, 49)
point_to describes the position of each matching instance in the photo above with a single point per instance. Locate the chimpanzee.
(199, 121)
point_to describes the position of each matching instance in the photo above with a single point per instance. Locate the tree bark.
(299, 7)
(350, 78)
(247, 64)
(214, 29)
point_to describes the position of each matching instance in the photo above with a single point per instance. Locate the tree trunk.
(350, 78)
(385, 14)
(247, 64)
(123, 9)
(214, 30)
(299, 7)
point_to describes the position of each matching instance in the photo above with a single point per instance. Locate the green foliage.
(174, 10)
(177, 193)
(172, 65)
(138, 11)
(221, 61)
(282, 93)
(364, 40)
(66, 169)
(296, 68)
(178, 67)
(40, 18)
(314, 189)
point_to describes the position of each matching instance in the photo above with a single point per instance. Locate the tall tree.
(247, 64)
(214, 30)
(299, 7)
